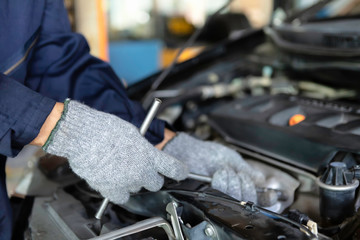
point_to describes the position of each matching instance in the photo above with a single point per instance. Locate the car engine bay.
(300, 127)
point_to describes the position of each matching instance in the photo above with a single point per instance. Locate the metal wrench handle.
(150, 116)
(200, 178)
(143, 128)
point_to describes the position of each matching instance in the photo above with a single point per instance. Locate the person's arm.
(22, 114)
(48, 125)
(62, 67)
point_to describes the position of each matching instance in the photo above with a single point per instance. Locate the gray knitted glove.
(206, 158)
(109, 153)
(236, 184)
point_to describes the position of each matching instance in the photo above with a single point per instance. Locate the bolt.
(209, 231)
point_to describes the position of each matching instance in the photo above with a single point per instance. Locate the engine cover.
(261, 124)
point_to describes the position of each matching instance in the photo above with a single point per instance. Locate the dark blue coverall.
(42, 61)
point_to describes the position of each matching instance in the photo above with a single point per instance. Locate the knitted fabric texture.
(110, 154)
(237, 185)
(234, 176)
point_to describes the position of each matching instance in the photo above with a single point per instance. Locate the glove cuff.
(56, 128)
(176, 146)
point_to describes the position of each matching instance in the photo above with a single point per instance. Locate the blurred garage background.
(140, 37)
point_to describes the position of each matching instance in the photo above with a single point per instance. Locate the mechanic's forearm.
(48, 125)
(168, 135)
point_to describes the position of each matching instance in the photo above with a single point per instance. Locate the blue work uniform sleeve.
(62, 67)
(22, 113)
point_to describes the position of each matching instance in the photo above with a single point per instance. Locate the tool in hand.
(143, 128)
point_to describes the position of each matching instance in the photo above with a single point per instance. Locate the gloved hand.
(238, 185)
(231, 174)
(109, 153)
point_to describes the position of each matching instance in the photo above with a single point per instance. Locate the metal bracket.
(202, 231)
(171, 209)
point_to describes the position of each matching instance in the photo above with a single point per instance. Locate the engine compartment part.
(262, 124)
(198, 215)
(337, 193)
(191, 209)
(279, 183)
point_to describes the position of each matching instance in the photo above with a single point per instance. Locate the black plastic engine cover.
(261, 124)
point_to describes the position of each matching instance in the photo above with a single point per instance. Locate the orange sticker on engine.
(297, 118)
